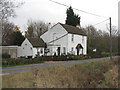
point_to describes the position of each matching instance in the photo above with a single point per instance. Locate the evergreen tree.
(19, 38)
(72, 18)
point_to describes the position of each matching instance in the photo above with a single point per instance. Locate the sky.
(48, 11)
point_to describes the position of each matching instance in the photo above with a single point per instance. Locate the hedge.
(20, 61)
(5, 55)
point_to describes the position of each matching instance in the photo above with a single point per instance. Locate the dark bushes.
(54, 58)
(20, 61)
(5, 55)
(81, 57)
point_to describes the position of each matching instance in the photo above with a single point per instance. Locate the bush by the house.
(54, 58)
(5, 55)
(81, 57)
(20, 61)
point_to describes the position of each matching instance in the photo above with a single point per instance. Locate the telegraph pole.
(110, 39)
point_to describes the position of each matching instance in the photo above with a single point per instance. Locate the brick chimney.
(78, 26)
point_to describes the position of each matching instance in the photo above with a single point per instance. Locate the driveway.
(23, 68)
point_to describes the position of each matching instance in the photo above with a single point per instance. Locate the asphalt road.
(23, 68)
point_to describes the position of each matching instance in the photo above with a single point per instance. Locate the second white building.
(65, 39)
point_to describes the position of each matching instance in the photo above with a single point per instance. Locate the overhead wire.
(100, 22)
(78, 9)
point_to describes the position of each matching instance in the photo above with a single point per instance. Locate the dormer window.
(25, 44)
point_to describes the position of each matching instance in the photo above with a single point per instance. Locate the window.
(64, 50)
(31, 48)
(72, 39)
(25, 44)
(82, 39)
(41, 51)
(72, 49)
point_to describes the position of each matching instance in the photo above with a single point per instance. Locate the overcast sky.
(48, 11)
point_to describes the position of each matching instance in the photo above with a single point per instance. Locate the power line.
(100, 22)
(78, 9)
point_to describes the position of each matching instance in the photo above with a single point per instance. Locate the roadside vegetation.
(8, 62)
(97, 74)
(19, 61)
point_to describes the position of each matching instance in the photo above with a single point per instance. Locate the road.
(23, 68)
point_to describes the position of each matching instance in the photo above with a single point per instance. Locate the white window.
(64, 50)
(72, 38)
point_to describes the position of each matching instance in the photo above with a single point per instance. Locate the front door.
(78, 47)
(58, 51)
(78, 50)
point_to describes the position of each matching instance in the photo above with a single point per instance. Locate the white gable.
(26, 41)
(55, 32)
(26, 48)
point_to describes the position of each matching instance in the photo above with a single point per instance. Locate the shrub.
(105, 54)
(63, 54)
(5, 55)
(81, 57)
(20, 61)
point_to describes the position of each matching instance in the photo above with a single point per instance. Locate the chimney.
(49, 26)
(78, 26)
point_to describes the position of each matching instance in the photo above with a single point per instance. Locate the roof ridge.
(69, 25)
(73, 29)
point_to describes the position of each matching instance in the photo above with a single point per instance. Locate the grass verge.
(97, 74)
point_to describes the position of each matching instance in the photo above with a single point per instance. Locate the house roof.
(73, 30)
(37, 42)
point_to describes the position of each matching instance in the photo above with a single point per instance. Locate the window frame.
(72, 38)
(64, 49)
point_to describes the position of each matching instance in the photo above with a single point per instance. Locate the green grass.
(97, 74)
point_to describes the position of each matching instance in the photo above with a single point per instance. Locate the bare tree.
(114, 31)
(7, 33)
(7, 9)
(36, 28)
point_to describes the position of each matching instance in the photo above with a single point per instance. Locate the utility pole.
(110, 39)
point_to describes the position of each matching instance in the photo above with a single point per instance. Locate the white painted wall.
(55, 32)
(62, 42)
(58, 31)
(77, 40)
(27, 49)
(35, 50)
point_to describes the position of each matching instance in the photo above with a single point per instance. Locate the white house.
(64, 39)
(31, 47)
